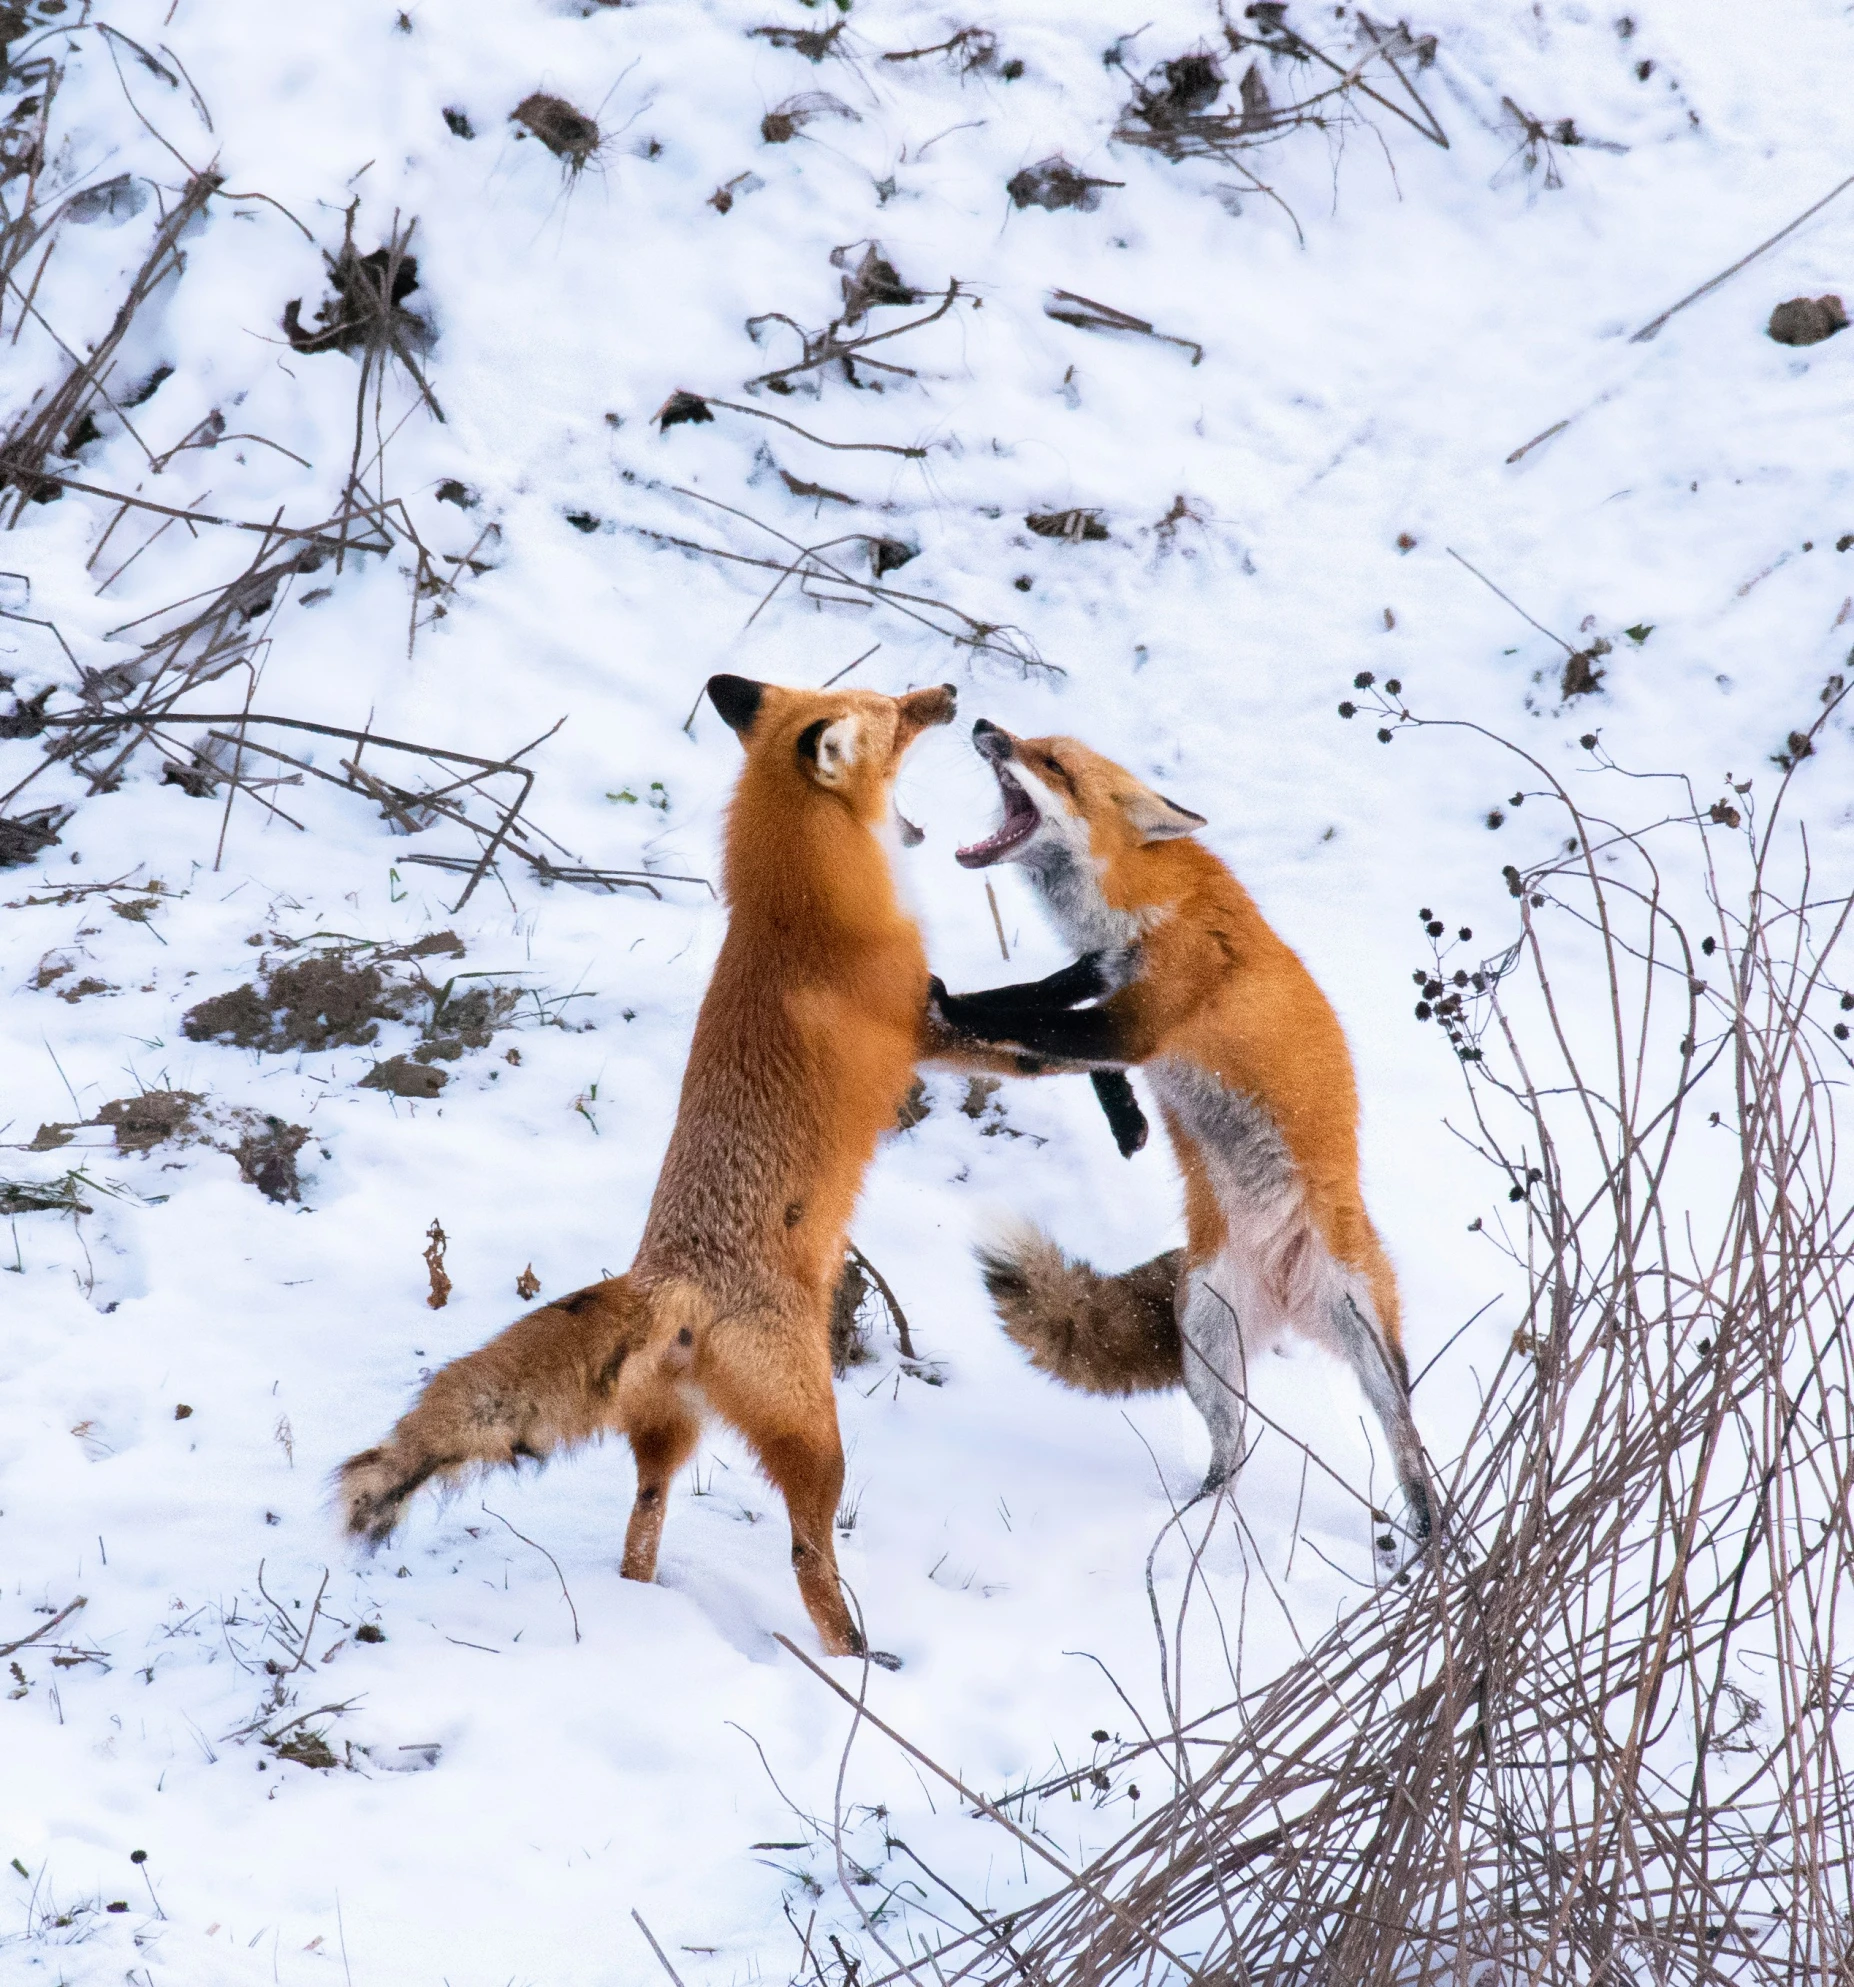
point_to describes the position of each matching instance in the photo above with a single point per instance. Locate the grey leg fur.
(1386, 1387)
(1216, 1371)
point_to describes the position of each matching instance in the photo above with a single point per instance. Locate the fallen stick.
(760, 414)
(654, 1947)
(1087, 315)
(1654, 324)
(316, 536)
(7, 1648)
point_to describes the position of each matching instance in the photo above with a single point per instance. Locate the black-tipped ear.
(738, 699)
(1154, 818)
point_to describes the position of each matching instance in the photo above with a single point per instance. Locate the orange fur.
(1251, 1068)
(803, 1048)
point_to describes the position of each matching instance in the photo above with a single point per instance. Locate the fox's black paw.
(1124, 1117)
(949, 1013)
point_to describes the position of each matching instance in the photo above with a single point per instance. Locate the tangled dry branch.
(1601, 1734)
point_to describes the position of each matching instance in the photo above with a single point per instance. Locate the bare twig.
(70, 1608)
(552, 1561)
(1706, 289)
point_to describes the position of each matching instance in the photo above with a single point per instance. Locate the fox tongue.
(981, 855)
(1020, 822)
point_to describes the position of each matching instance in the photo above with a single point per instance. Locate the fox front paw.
(947, 1015)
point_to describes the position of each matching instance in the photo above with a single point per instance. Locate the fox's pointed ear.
(828, 752)
(1154, 818)
(738, 699)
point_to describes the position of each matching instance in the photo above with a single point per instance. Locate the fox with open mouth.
(1254, 1084)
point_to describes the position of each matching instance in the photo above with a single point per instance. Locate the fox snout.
(992, 742)
(921, 709)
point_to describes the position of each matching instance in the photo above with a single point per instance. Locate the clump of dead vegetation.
(1807, 320)
(814, 44)
(51, 426)
(873, 284)
(1074, 526)
(1599, 1732)
(968, 51)
(572, 136)
(1054, 184)
(861, 1305)
(785, 121)
(1285, 82)
(366, 308)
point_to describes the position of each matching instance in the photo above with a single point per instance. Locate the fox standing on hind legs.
(805, 1044)
(1255, 1084)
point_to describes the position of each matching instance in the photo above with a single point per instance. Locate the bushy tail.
(1100, 1334)
(549, 1382)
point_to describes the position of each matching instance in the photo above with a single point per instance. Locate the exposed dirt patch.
(327, 1002)
(266, 1157)
(141, 1123)
(980, 1090)
(265, 1147)
(399, 1076)
(916, 1105)
(679, 407)
(338, 1000)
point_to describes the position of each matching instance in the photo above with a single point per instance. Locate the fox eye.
(1059, 773)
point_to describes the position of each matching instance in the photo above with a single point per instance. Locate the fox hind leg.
(661, 1447)
(1384, 1376)
(1215, 1366)
(782, 1402)
(660, 1414)
(808, 1469)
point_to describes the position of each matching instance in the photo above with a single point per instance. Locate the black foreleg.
(1125, 1119)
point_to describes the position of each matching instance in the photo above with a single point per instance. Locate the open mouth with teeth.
(1021, 821)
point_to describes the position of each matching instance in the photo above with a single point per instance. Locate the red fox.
(804, 1047)
(1255, 1085)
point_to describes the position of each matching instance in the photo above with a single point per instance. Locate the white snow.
(1367, 381)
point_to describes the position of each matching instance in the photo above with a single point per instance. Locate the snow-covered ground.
(538, 1749)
